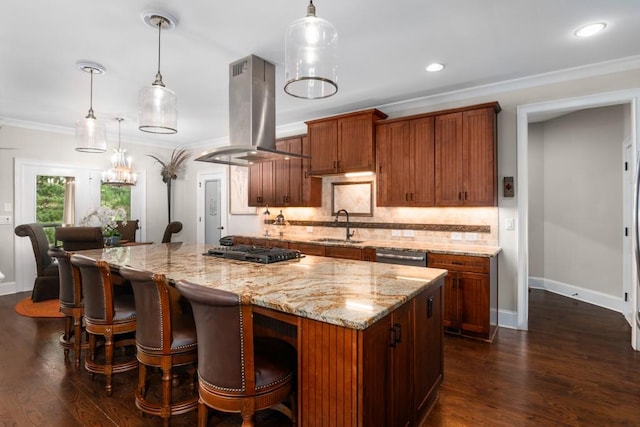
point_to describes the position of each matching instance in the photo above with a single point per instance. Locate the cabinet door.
(479, 158)
(355, 143)
(294, 145)
(448, 141)
(307, 249)
(394, 160)
(343, 252)
(450, 314)
(311, 185)
(260, 184)
(422, 168)
(473, 290)
(401, 393)
(323, 137)
(428, 352)
(281, 177)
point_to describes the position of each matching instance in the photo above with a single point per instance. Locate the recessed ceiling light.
(434, 67)
(590, 30)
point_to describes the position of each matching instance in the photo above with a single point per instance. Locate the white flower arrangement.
(105, 218)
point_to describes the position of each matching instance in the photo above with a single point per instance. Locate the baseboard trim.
(8, 288)
(576, 292)
(508, 319)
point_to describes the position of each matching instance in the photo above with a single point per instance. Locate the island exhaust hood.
(252, 116)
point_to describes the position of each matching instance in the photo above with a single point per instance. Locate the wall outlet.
(309, 229)
(5, 220)
(396, 233)
(408, 233)
(471, 236)
(456, 236)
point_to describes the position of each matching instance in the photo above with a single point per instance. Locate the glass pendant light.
(158, 104)
(91, 135)
(311, 57)
(120, 174)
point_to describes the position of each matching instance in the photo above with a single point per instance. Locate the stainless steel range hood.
(252, 116)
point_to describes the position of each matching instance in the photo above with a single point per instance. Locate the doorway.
(529, 113)
(212, 207)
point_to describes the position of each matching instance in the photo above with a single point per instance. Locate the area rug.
(46, 308)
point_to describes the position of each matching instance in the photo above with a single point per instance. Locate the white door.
(213, 212)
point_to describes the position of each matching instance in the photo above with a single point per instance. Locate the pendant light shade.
(158, 105)
(311, 57)
(91, 135)
(120, 174)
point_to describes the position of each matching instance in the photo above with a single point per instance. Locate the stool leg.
(77, 339)
(108, 360)
(67, 334)
(167, 379)
(203, 413)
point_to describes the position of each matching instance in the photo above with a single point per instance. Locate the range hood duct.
(252, 116)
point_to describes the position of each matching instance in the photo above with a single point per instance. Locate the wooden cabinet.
(405, 157)
(344, 143)
(470, 294)
(307, 248)
(288, 174)
(311, 185)
(465, 157)
(261, 190)
(409, 343)
(343, 252)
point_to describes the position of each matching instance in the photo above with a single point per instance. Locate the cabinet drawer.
(307, 249)
(343, 252)
(459, 262)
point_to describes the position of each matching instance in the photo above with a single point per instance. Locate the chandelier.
(120, 174)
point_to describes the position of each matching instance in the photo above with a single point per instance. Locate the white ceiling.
(384, 47)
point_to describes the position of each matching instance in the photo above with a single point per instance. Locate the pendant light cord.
(90, 115)
(158, 81)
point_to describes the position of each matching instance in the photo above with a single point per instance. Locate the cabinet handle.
(429, 307)
(306, 174)
(411, 196)
(392, 336)
(335, 164)
(465, 195)
(406, 197)
(459, 195)
(398, 333)
(457, 263)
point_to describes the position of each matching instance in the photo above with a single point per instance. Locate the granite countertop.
(451, 249)
(354, 294)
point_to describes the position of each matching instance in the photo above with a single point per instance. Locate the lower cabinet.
(408, 342)
(470, 294)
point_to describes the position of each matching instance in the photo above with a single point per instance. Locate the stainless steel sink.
(332, 240)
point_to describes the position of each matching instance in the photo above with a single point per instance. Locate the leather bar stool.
(165, 338)
(108, 315)
(71, 304)
(237, 372)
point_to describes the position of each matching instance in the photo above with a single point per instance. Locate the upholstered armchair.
(47, 283)
(79, 238)
(172, 228)
(128, 231)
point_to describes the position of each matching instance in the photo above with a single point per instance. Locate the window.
(52, 195)
(116, 197)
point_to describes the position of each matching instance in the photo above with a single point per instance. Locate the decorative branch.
(170, 171)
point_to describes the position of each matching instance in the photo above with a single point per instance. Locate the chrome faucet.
(349, 234)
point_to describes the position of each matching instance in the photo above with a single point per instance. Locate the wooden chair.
(106, 314)
(172, 228)
(165, 338)
(71, 304)
(79, 238)
(128, 231)
(47, 283)
(237, 372)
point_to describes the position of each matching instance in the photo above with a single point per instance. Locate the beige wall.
(575, 199)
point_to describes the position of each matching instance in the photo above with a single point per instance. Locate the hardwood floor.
(575, 367)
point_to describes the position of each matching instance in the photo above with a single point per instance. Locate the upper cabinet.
(445, 158)
(285, 183)
(344, 143)
(465, 157)
(405, 157)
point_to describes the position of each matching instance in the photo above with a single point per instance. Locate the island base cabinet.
(385, 375)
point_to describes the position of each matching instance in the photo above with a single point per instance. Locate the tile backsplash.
(486, 216)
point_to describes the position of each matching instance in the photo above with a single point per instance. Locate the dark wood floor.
(575, 367)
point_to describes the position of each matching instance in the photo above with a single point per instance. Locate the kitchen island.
(368, 335)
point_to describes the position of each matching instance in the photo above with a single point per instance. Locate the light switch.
(309, 229)
(509, 224)
(456, 236)
(408, 233)
(471, 236)
(396, 233)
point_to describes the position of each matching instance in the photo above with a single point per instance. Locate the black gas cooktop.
(258, 254)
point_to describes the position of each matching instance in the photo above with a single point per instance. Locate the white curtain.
(68, 210)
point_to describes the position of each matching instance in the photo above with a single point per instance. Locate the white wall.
(575, 200)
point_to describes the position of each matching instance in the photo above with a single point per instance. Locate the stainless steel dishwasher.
(402, 257)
